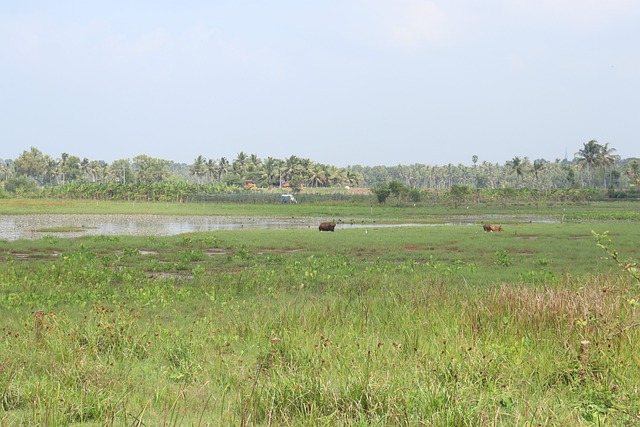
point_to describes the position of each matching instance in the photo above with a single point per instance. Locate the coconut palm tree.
(633, 172)
(318, 175)
(6, 170)
(253, 162)
(239, 165)
(223, 167)
(337, 176)
(606, 160)
(354, 178)
(270, 166)
(588, 158)
(518, 166)
(198, 169)
(62, 165)
(212, 169)
(538, 166)
(291, 168)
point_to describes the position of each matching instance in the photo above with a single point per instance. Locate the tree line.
(594, 166)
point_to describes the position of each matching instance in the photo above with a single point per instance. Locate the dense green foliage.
(431, 325)
(35, 174)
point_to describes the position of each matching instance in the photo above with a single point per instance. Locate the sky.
(340, 82)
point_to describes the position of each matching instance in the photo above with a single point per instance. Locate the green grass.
(432, 325)
(424, 212)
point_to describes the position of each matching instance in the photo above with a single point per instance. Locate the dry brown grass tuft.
(595, 306)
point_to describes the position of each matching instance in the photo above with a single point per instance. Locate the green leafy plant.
(629, 266)
(503, 258)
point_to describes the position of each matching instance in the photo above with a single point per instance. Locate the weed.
(503, 259)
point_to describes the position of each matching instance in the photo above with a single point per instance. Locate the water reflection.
(14, 227)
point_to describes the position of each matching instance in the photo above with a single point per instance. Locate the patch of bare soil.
(415, 248)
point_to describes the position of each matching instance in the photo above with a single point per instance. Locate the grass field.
(431, 325)
(424, 212)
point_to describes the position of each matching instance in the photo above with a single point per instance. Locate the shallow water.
(14, 227)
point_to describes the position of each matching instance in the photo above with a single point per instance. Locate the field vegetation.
(421, 325)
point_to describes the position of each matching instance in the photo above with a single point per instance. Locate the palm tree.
(269, 167)
(337, 176)
(254, 162)
(291, 168)
(354, 178)
(84, 168)
(305, 169)
(62, 165)
(606, 159)
(517, 166)
(198, 168)
(5, 169)
(51, 167)
(538, 166)
(318, 175)
(588, 157)
(212, 169)
(223, 167)
(96, 170)
(633, 172)
(239, 165)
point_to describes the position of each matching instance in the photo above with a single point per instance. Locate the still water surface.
(14, 227)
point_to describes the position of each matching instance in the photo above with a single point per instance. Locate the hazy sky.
(341, 82)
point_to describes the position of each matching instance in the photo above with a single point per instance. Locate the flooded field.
(14, 227)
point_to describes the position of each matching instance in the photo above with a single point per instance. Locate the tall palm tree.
(354, 178)
(337, 176)
(198, 168)
(253, 162)
(5, 170)
(62, 165)
(239, 165)
(606, 159)
(96, 170)
(291, 168)
(538, 166)
(212, 169)
(223, 167)
(517, 166)
(305, 169)
(318, 175)
(588, 158)
(269, 168)
(51, 169)
(633, 172)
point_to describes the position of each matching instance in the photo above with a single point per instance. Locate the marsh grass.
(396, 326)
(359, 209)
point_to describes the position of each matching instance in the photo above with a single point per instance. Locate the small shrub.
(503, 259)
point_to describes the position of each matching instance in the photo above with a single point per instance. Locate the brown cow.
(327, 226)
(491, 228)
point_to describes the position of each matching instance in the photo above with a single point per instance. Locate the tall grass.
(250, 328)
(358, 208)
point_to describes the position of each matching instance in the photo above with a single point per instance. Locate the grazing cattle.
(491, 228)
(327, 226)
